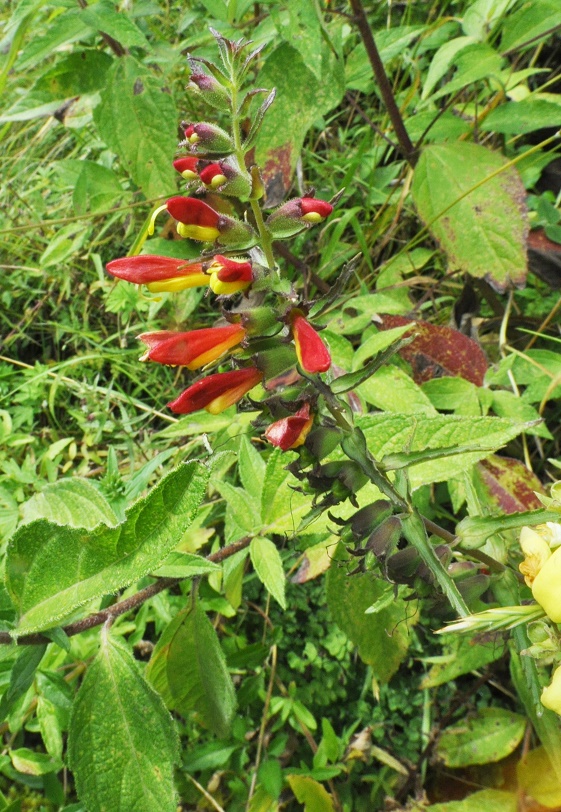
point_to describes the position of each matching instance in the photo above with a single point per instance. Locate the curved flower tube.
(297, 214)
(228, 275)
(217, 392)
(291, 432)
(193, 349)
(159, 273)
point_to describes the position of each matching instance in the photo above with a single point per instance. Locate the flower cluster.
(268, 332)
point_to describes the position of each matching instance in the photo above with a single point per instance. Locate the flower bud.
(313, 356)
(209, 89)
(217, 392)
(187, 167)
(546, 587)
(229, 276)
(536, 551)
(194, 349)
(199, 221)
(291, 432)
(226, 176)
(551, 696)
(296, 215)
(205, 137)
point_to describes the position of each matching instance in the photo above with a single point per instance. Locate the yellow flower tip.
(551, 532)
(312, 217)
(200, 233)
(153, 219)
(551, 695)
(536, 551)
(188, 174)
(217, 181)
(193, 138)
(226, 288)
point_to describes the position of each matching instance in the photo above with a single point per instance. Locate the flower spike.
(229, 276)
(217, 392)
(159, 273)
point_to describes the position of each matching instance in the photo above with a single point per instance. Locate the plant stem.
(388, 97)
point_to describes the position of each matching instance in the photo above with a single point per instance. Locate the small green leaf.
(475, 209)
(489, 735)
(310, 793)
(30, 762)
(137, 119)
(185, 565)
(535, 19)
(52, 570)
(267, 563)
(251, 466)
(21, 678)
(97, 188)
(122, 743)
(189, 670)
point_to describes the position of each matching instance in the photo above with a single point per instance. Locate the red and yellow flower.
(217, 392)
(229, 275)
(291, 432)
(193, 349)
(313, 356)
(159, 273)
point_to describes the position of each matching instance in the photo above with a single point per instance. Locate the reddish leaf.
(509, 484)
(440, 351)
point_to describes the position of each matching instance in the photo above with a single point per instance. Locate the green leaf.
(29, 762)
(460, 656)
(267, 563)
(282, 507)
(382, 638)
(52, 570)
(70, 502)
(389, 434)
(122, 743)
(304, 32)
(185, 565)
(103, 16)
(442, 61)
(137, 119)
(535, 19)
(491, 800)
(300, 100)
(82, 71)
(243, 510)
(489, 735)
(474, 206)
(21, 678)
(67, 27)
(475, 530)
(526, 116)
(189, 670)
(97, 188)
(251, 467)
(310, 793)
(392, 390)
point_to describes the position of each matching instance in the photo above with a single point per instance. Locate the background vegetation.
(336, 709)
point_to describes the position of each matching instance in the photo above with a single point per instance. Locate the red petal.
(203, 392)
(312, 353)
(150, 268)
(321, 207)
(192, 211)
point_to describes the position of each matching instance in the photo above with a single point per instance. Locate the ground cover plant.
(325, 575)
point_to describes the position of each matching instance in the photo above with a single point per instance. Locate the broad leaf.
(188, 669)
(70, 502)
(392, 390)
(526, 116)
(474, 206)
(508, 484)
(489, 735)
(251, 467)
(462, 655)
(67, 27)
(533, 20)
(437, 350)
(310, 793)
(491, 800)
(97, 188)
(122, 743)
(382, 638)
(538, 779)
(137, 119)
(52, 570)
(267, 563)
(443, 434)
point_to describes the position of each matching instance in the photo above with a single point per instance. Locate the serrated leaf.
(389, 434)
(70, 502)
(382, 638)
(282, 507)
(137, 119)
(52, 570)
(243, 509)
(475, 209)
(122, 743)
(489, 735)
(267, 563)
(67, 27)
(392, 390)
(185, 565)
(491, 800)
(251, 467)
(97, 188)
(189, 670)
(103, 16)
(525, 116)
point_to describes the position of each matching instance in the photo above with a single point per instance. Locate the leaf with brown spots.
(473, 203)
(440, 351)
(508, 484)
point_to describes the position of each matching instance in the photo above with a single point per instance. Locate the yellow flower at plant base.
(536, 550)
(551, 696)
(542, 569)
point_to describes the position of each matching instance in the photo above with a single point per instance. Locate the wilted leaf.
(509, 484)
(537, 778)
(437, 350)
(475, 207)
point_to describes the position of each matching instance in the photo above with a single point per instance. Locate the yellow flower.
(551, 696)
(537, 552)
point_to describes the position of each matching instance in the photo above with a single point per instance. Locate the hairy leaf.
(52, 570)
(122, 744)
(70, 502)
(267, 563)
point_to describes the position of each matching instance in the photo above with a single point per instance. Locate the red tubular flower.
(213, 175)
(208, 137)
(187, 167)
(217, 392)
(159, 273)
(229, 275)
(313, 355)
(291, 432)
(194, 349)
(296, 214)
